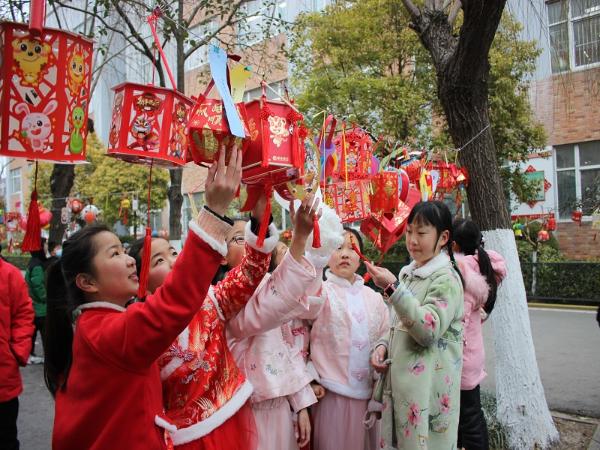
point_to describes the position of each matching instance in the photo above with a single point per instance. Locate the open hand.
(378, 358)
(382, 277)
(303, 430)
(222, 182)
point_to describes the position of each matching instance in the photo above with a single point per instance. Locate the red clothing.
(113, 392)
(16, 329)
(203, 387)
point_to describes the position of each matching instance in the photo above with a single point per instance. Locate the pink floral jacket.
(268, 340)
(353, 318)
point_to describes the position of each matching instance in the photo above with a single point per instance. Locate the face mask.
(58, 253)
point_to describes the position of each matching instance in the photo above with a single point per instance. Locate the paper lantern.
(349, 199)
(149, 124)
(543, 236)
(551, 225)
(76, 205)
(576, 216)
(45, 217)
(355, 150)
(89, 213)
(309, 181)
(275, 153)
(45, 93)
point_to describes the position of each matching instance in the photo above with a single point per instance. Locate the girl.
(482, 271)
(353, 318)
(102, 370)
(35, 276)
(422, 385)
(204, 391)
(271, 348)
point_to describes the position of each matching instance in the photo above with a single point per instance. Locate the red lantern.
(355, 151)
(149, 123)
(551, 225)
(543, 236)
(45, 77)
(349, 199)
(275, 152)
(576, 216)
(384, 197)
(45, 217)
(208, 127)
(76, 205)
(89, 213)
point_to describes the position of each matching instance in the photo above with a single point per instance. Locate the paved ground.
(567, 348)
(567, 345)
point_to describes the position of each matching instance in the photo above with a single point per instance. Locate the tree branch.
(453, 14)
(412, 9)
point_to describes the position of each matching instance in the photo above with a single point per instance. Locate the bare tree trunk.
(175, 196)
(61, 182)
(462, 68)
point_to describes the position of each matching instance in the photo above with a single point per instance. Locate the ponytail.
(63, 297)
(468, 237)
(58, 338)
(452, 260)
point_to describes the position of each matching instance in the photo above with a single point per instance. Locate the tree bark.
(61, 183)
(462, 68)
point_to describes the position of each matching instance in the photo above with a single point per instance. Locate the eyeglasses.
(239, 240)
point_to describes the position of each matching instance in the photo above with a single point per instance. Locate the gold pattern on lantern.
(253, 129)
(279, 131)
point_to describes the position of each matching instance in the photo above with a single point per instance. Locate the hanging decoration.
(45, 77)
(208, 127)
(89, 214)
(350, 199)
(149, 123)
(577, 216)
(124, 207)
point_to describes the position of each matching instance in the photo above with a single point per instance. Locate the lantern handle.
(152, 18)
(37, 16)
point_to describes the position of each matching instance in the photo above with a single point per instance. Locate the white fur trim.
(211, 295)
(428, 269)
(96, 305)
(220, 247)
(161, 422)
(270, 242)
(175, 363)
(345, 390)
(200, 429)
(331, 233)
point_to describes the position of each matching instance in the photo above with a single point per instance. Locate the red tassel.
(266, 218)
(316, 243)
(33, 235)
(145, 263)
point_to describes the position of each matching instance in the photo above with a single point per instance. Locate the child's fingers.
(212, 170)
(315, 206)
(221, 163)
(292, 212)
(233, 163)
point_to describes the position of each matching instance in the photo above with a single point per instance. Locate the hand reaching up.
(222, 181)
(303, 221)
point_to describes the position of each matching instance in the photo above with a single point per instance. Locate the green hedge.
(19, 261)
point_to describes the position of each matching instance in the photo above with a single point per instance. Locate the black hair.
(38, 257)
(436, 214)
(468, 237)
(356, 235)
(63, 297)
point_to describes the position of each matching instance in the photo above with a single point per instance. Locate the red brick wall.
(568, 105)
(578, 242)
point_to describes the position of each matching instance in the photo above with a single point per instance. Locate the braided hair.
(470, 241)
(437, 215)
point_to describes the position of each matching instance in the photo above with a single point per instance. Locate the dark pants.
(472, 429)
(8, 424)
(40, 325)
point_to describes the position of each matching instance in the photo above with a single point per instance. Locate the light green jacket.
(421, 389)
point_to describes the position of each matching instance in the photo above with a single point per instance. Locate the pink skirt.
(275, 425)
(338, 424)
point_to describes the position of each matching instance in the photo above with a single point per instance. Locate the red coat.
(16, 329)
(113, 393)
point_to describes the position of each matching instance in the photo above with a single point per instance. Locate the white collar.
(342, 282)
(428, 269)
(96, 305)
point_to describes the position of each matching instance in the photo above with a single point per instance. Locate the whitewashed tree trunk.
(522, 406)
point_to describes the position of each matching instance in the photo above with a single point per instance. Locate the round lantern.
(551, 225)
(89, 214)
(76, 205)
(45, 77)
(149, 124)
(576, 216)
(543, 236)
(45, 217)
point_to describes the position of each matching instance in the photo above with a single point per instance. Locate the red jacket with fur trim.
(203, 386)
(113, 397)
(16, 328)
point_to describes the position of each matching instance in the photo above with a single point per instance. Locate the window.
(200, 33)
(577, 176)
(574, 31)
(15, 180)
(250, 29)
(278, 87)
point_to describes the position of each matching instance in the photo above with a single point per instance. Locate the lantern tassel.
(146, 251)
(33, 233)
(32, 240)
(266, 218)
(316, 243)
